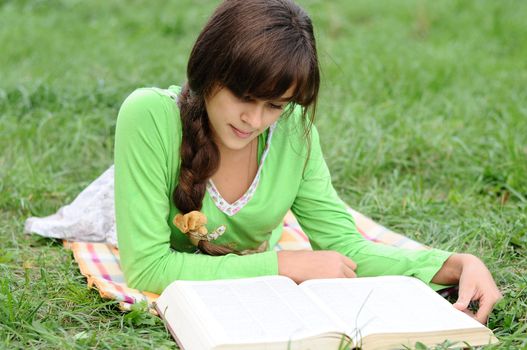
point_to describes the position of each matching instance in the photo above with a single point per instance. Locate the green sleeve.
(329, 226)
(148, 135)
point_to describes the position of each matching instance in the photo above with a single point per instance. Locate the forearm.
(374, 259)
(155, 272)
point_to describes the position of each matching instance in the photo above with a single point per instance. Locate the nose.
(253, 115)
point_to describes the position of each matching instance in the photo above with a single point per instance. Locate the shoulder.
(150, 94)
(150, 99)
(150, 106)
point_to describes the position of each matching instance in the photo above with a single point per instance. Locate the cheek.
(225, 111)
(215, 117)
(216, 112)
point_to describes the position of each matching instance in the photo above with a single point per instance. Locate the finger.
(348, 272)
(485, 307)
(350, 263)
(465, 296)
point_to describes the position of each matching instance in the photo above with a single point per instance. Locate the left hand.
(475, 284)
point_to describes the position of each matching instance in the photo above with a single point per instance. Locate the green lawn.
(422, 113)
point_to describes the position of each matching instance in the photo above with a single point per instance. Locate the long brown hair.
(253, 47)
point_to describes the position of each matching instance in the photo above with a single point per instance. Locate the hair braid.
(199, 160)
(199, 154)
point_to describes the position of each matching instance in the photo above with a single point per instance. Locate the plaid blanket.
(99, 262)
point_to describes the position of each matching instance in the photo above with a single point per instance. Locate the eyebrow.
(283, 99)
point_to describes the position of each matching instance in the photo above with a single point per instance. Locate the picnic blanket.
(99, 262)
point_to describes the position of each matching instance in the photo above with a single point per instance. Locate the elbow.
(140, 275)
(132, 275)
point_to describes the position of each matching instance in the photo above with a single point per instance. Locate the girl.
(237, 144)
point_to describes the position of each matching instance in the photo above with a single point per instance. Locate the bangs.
(267, 69)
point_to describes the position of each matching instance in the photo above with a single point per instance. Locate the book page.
(390, 304)
(261, 309)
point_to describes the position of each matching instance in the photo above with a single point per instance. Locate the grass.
(422, 115)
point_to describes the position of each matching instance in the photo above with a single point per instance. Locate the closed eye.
(249, 99)
(275, 106)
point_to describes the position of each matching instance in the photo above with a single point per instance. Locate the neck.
(237, 155)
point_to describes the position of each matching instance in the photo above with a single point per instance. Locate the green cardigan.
(154, 252)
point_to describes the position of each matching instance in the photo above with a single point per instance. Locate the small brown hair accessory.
(193, 225)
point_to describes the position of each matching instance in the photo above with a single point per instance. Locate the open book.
(275, 313)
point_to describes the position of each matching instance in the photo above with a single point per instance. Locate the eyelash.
(248, 98)
(273, 106)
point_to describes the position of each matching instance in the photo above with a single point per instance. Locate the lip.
(239, 133)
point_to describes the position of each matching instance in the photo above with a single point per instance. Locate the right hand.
(302, 265)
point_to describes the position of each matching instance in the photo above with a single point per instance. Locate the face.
(237, 121)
